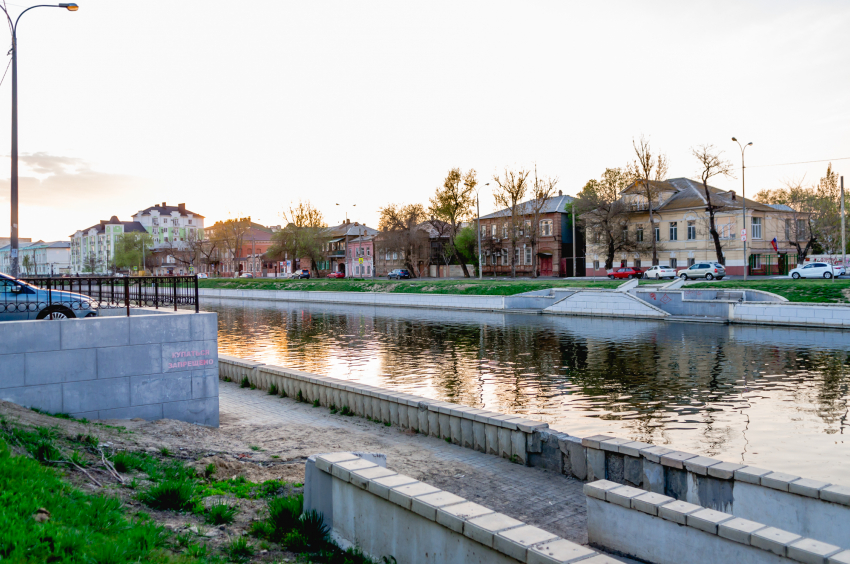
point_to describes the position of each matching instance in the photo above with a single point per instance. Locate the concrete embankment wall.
(148, 366)
(656, 528)
(807, 507)
(387, 514)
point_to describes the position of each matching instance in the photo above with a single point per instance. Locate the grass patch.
(273, 390)
(241, 488)
(221, 513)
(809, 291)
(170, 495)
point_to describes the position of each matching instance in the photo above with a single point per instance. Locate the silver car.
(20, 301)
(707, 270)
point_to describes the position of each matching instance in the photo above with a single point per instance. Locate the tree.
(466, 246)
(303, 237)
(801, 200)
(231, 236)
(26, 262)
(542, 190)
(605, 214)
(131, 249)
(454, 203)
(827, 217)
(647, 170)
(400, 230)
(512, 188)
(711, 165)
(90, 263)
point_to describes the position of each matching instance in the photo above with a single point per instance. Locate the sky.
(242, 109)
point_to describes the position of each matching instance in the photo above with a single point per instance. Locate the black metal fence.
(81, 296)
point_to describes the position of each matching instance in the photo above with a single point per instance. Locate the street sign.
(743, 232)
(744, 237)
(360, 260)
(135, 268)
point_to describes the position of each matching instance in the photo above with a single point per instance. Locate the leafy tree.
(26, 262)
(304, 236)
(466, 246)
(131, 249)
(400, 227)
(454, 203)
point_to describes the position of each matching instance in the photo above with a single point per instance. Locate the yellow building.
(681, 230)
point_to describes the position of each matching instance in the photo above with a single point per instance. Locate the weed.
(164, 451)
(239, 549)
(228, 379)
(197, 550)
(284, 513)
(300, 397)
(346, 411)
(185, 540)
(387, 424)
(333, 408)
(88, 440)
(448, 440)
(209, 470)
(125, 461)
(273, 391)
(134, 484)
(253, 387)
(261, 529)
(255, 448)
(315, 403)
(245, 383)
(294, 541)
(78, 459)
(174, 495)
(221, 513)
(314, 529)
(275, 456)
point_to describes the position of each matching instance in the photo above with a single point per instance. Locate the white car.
(660, 271)
(816, 270)
(203, 275)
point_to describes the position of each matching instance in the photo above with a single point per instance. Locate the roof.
(41, 245)
(164, 209)
(686, 193)
(781, 207)
(129, 226)
(552, 205)
(351, 230)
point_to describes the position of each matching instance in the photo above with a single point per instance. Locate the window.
(156, 221)
(674, 230)
(190, 222)
(483, 230)
(657, 234)
(755, 259)
(756, 228)
(505, 231)
(546, 228)
(637, 262)
(493, 230)
(596, 236)
(527, 224)
(801, 230)
(368, 252)
(692, 230)
(388, 255)
(673, 262)
(596, 265)
(504, 257)
(516, 256)
(395, 256)
(691, 261)
(528, 255)
(626, 234)
(640, 233)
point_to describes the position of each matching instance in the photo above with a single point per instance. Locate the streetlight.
(480, 256)
(14, 180)
(744, 205)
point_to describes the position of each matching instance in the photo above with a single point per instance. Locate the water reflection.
(775, 397)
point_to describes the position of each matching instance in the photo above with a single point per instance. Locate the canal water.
(772, 397)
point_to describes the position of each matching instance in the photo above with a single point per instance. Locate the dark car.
(626, 272)
(398, 274)
(303, 273)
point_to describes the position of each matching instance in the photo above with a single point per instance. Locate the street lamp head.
(734, 139)
(70, 7)
(750, 143)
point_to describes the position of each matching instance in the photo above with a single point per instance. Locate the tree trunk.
(609, 260)
(534, 259)
(712, 228)
(513, 259)
(652, 231)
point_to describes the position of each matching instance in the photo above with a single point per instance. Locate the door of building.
(546, 266)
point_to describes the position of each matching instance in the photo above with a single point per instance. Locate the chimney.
(560, 193)
(163, 204)
(181, 208)
(733, 195)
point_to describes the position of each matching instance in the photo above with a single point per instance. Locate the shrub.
(245, 383)
(294, 541)
(221, 513)
(284, 513)
(314, 529)
(173, 495)
(273, 390)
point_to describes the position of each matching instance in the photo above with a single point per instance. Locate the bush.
(170, 495)
(284, 514)
(221, 513)
(314, 529)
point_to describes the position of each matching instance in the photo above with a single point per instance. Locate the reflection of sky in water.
(767, 396)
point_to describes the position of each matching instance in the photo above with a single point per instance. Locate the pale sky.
(242, 108)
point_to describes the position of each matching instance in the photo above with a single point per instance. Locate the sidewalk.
(547, 500)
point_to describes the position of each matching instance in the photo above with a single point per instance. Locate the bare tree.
(647, 171)
(542, 190)
(711, 165)
(400, 227)
(802, 228)
(231, 236)
(606, 216)
(512, 188)
(304, 236)
(453, 203)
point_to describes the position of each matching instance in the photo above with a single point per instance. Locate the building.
(170, 224)
(8, 241)
(360, 261)
(554, 247)
(254, 242)
(93, 248)
(38, 259)
(681, 230)
(337, 257)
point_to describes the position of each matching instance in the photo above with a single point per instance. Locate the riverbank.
(800, 291)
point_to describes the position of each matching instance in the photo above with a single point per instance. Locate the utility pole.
(843, 231)
(744, 206)
(573, 209)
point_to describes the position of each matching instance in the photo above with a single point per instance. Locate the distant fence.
(81, 294)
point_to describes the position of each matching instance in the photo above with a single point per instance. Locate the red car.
(626, 272)
(336, 275)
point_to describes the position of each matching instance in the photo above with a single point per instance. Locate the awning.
(544, 254)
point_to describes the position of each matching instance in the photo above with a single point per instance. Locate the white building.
(171, 224)
(38, 259)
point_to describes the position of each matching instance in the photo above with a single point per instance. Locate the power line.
(801, 162)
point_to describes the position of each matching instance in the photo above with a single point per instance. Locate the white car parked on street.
(817, 270)
(660, 271)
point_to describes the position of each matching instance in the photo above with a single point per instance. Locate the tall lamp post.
(744, 205)
(478, 225)
(13, 251)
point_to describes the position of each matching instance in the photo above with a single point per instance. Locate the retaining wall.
(656, 528)
(390, 515)
(803, 315)
(607, 304)
(148, 366)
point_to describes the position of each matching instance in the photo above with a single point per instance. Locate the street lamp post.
(478, 225)
(13, 250)
(744, 205)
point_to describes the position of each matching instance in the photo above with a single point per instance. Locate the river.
(772, 397)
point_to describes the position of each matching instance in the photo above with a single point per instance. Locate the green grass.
(471, 287)
(221, 513)
(812, 291)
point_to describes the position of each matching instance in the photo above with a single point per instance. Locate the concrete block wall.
(387, 514)
(486, 431)
(605, 304)
(656, 528)
(148, 366)
(802, 315)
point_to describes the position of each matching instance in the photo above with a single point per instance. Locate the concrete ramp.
(606, 304)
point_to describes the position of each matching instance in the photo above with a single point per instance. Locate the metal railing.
(90, 294)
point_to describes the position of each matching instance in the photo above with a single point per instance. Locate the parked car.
(626, 272)
(20, 301)
(707, 270)
(817, 270)
(399, 274)
(659, 271)
(246, 275)
(203, 275)
(303, 273)
(336, 275)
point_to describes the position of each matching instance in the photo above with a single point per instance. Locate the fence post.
(127, 294)
(155, 294)
(174, 292)
(197, 303)
(49, 292)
